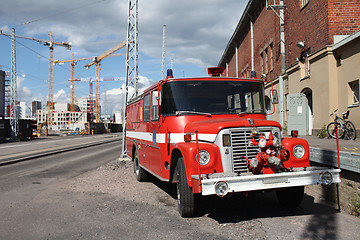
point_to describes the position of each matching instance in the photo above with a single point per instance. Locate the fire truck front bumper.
(223, 183)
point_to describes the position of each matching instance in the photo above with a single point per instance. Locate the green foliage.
(355, 206)
(322, 132)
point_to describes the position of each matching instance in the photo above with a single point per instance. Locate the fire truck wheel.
(185, 196)
(141, 174)
(290, 197)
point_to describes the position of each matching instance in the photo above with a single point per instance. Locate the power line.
(39, 54)
(63, 12)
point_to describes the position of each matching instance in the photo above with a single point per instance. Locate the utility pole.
(163, 70)
(50, 103)
(282, 54)
(14, 114)
(281, 7)
(72, 85)
(131, 68)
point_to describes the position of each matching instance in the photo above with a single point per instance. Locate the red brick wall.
(307, 24)
(232, 67)
(315, 23)
(266, 27)
(344, 17)
(266, 30)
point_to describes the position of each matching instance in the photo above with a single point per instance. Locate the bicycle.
(346, 129)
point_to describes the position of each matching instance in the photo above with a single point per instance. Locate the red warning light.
(215, 71)
(294, 133)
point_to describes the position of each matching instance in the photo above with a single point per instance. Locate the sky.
(197, 33)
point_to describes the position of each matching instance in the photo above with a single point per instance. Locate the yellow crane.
(50, 43)
(72, 75)
(96, 61)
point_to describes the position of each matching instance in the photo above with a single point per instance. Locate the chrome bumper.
(244, 183)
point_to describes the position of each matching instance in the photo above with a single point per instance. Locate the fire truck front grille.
(241, 148)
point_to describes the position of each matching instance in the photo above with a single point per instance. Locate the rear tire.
(351, 130)
(141, 174)
(290, 197)
(185, 196)
(331, 130)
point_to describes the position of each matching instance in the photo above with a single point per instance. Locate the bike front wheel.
(331, 130)
(350, 130)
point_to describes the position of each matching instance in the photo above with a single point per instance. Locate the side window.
(147, 108)
(154, 105)
(354, 92)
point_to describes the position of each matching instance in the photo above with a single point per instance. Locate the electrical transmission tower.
(51, 44)
(131, 68)
(14, 113)
(164, 53)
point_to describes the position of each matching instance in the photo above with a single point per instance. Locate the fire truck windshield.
(212, 97)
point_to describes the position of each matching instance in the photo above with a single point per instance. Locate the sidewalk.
(330, 144)
(324, 151)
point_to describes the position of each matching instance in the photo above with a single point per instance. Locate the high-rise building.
(2, 94)
(36, 105)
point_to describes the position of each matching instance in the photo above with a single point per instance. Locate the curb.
(55, 151)
(348, 161)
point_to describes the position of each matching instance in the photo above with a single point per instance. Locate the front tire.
(290, 197)
(185, 196)
(141, 174)
(331, 130)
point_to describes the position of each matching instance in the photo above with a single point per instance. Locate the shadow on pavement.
(237, 208)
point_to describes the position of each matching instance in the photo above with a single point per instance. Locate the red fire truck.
(210, 136)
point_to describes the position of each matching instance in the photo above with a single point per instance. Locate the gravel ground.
(151, 207)
(108, 203)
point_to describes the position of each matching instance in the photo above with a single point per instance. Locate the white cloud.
(197, 32)
(116, 95)
(195, 29)
(61, 96)
(115, 91)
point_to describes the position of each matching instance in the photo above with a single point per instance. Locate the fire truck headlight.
(326, 178)
(299, 151)
(221, 188)
(204, 157)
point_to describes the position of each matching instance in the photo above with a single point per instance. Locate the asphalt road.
(92, 194)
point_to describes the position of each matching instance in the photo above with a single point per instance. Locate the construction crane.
(96, 61)
(72, 74)
(91, 95)
(50, 43)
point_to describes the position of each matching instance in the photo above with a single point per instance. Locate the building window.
(354, 92)
(304, 3)
(267, 59)
(271, 47)
(305, 64)
(266, 56)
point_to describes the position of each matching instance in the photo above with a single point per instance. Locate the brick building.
(310, 68)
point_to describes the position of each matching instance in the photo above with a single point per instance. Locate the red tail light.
(294, 133)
